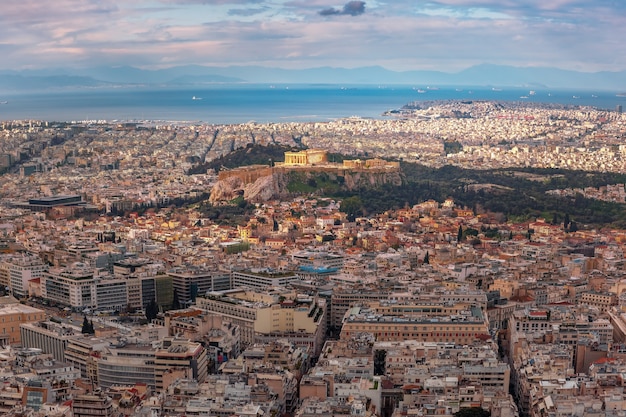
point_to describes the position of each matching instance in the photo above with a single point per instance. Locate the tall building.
(191, 281)
(342, 299)
(144, 289)
(111, 294)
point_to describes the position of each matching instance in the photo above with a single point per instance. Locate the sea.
(242, 103)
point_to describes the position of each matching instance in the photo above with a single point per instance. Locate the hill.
(516, 193)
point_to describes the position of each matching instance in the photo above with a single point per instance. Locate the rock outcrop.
(275, 185)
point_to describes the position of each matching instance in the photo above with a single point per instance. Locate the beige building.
(602, 300)
(263, 317)
(90, 405)
(461, 330)
(179, 355)
(419, 309)
(82, 353)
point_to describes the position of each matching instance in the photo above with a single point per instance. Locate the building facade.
(14, 315)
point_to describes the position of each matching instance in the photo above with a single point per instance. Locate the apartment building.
(179, 356)
(92, 405)
(82, 353)
(73, 286)
(19, 270)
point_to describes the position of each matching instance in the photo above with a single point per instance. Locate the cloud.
(211, 2)
(447, 35)
(352, 8)
(246, 12)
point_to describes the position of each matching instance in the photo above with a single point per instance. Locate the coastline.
(236, 104)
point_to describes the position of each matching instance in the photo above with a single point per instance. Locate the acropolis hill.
(261, 182)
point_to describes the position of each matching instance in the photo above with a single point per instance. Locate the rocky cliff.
(284, 183)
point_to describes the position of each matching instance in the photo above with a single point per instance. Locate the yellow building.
(11, 316)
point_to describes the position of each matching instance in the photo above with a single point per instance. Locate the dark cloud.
(351, 8)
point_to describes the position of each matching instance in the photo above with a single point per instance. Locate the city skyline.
(444, 35)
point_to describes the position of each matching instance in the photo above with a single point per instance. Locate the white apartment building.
(74, 286)
(82, 287)
(19, 270)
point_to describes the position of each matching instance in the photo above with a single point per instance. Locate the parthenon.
(306, 157)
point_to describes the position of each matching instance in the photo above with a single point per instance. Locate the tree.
(459, 235)
(555, 219)
(426, 258)
(472, 412)
(87, 326)
(175, 301)
(379, 361)
(152, 310)
(573, 227)
(566, 221)
(352, 206)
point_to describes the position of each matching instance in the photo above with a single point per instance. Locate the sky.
(401, 35)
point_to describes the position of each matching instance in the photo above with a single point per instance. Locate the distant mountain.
(203, 79)
(541, 77)
(13, 82)
(183, 74)
(479, 75)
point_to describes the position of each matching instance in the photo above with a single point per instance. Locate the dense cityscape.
(130, 288)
